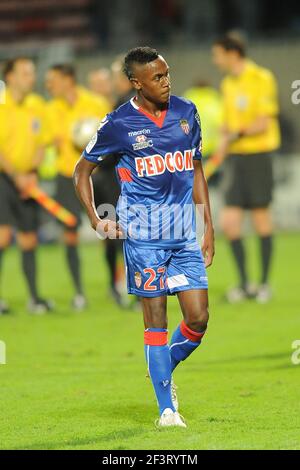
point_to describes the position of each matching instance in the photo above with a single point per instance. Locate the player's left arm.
(201, 197)
(259, 126)
(200, 190)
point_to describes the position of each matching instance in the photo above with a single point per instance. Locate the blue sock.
(159, 365)
(184, 341)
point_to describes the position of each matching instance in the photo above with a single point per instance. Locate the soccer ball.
(83, 130)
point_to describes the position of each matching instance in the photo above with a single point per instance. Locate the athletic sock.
(159, 365)
(74, 266)
(29, 269)
(111, 259)
(184, 341)
(266, 248)
(238, 251)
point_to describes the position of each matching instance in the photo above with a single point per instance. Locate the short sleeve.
(267, 96)
(196, 135)
(105, 142)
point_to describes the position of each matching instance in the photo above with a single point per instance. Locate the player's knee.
(231, 224)
(199, 321)
(27, 241)
(230, 229)
(263, 226)
(5, 238)
(71, 237)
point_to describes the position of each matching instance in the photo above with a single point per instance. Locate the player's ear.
(135, 83)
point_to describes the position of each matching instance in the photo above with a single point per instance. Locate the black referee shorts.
(66, 196)
(248, 180)
(23, 214)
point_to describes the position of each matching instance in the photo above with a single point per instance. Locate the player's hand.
(25, 181)
(107, 229)
(208, 246)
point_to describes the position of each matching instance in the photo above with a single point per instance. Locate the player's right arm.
(84, 189)
(104, 143)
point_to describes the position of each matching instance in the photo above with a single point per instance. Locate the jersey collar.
(159, 121)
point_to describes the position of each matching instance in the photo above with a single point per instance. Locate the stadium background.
(64, 377)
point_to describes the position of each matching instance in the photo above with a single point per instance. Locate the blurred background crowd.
(107, 24)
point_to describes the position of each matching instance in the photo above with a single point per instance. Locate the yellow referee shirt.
(61, 118)
(21, 131)
(251, 95)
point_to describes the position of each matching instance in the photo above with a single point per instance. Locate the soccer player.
(70, 104)
(158, 139)
(250, 136)
(21, 152)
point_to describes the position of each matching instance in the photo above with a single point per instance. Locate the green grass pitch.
(77, 381)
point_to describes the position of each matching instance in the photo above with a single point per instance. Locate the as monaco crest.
(185, 126)
(138, 279)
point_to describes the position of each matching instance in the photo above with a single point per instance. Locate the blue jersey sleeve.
(104, 142)
(196, 135)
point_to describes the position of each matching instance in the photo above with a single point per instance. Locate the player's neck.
(17, 95)
(71, 96)
(151, 108)
(239, 67)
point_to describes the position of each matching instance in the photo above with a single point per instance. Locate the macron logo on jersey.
(141, 132)
(156, 164)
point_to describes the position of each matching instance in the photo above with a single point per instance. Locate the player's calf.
(6, 235)
(184, 341)
(188, 335)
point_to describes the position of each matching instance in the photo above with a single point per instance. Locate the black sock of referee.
(238, 251)
(111, 259)
(266, 249)
(29, 269)
(74, 266)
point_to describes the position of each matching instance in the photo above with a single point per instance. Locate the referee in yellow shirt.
(70, 104)
(21, 151)
(250, 135)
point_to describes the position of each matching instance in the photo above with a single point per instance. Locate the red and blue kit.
(155, 209)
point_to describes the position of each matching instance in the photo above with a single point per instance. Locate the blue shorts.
(153, 273)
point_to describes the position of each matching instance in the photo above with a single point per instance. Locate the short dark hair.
(232, 42)
(10, 65)
(138, 55)
(67, 70)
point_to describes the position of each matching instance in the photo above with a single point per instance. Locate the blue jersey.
(155, 170)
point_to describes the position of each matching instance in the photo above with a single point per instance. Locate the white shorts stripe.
(177, 281)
